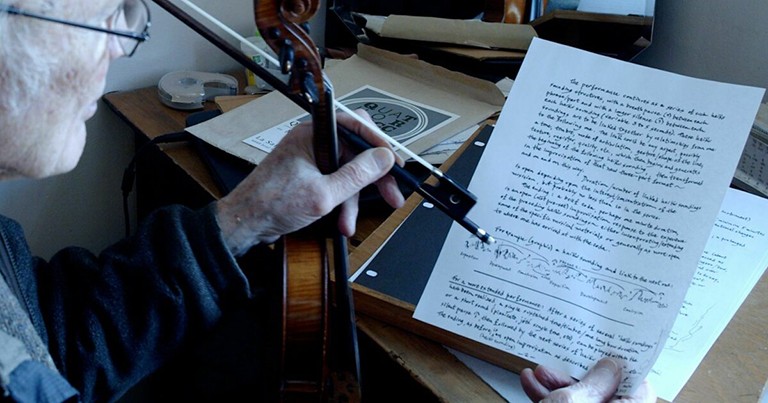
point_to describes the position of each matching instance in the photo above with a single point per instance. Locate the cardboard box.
(493, 50)
(443, 102)
(473, 33)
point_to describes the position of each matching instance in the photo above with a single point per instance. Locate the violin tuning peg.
(308, 87)
(286, 57)
(273, 33)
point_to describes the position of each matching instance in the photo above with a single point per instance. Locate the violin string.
(370, 125)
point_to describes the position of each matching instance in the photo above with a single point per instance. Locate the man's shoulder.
(7, 222)
(16, 261)
(11, 233)
(12, 238)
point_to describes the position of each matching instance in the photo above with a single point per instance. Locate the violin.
(506, 11)
(320, 358)
(319, 354)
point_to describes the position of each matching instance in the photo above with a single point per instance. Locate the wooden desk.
(735, 369)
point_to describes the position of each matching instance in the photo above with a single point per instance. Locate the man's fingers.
(390, 191)
(598, 385)
(348, 216)
(552, 378)
(604, 377)
(366, 168)
(531, 386)
(363, 131)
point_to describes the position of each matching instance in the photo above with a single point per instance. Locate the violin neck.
(343, 360)
(326, 143)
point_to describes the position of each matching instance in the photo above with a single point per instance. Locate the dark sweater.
(111, 319)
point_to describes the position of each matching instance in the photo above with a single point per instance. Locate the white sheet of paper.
(601, 183)
(439, 153)
(739, 241)
(505, 383)
(735, 257)
(619, 7)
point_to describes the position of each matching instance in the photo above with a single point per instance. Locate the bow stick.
(450, 197)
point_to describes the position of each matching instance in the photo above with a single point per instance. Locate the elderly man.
(89, 327)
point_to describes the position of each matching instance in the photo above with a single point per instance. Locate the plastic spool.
(188, 90)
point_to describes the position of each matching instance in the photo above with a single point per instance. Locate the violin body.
(319, 351)
(304, 335)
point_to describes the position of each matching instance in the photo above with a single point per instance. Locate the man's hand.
(287, 192)
(598, 385)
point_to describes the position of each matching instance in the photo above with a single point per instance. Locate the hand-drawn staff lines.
(512, 260)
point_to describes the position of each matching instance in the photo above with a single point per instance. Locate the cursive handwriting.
(515, 323)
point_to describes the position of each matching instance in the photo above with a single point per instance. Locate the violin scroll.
(281, 24)
(299, 11)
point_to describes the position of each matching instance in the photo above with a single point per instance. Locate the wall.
(716, 40)
(724, 41)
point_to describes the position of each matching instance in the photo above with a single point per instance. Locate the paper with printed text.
(601, 184)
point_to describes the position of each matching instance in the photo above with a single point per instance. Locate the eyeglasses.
(130, 23)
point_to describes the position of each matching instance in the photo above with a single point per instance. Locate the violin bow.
(450, 197)
(308, 88)
(312, 320)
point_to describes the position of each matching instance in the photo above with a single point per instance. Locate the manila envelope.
(421, 104)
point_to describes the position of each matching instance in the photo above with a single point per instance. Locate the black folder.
(403, 265)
